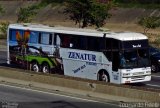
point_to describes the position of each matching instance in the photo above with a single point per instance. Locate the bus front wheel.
(154, 68)
(45, 68)
(103, 76)
(34, 67)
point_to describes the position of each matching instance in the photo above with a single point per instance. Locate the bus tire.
(103, 76)
(34, 66)
(154, 68)
(45, 68)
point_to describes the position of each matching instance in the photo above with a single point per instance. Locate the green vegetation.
(88, 12)
(85, 12)
(3, 29)
(26, 14)
(149, 23)
(3, 25)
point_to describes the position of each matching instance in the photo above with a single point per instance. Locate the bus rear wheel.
(45, 68)
(34, 67)
(103, 76)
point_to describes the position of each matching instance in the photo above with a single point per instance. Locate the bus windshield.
(134, 58)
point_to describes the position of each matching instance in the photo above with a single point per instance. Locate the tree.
(3, 25)
(78, 11)
(99, 13)
(85, 12)
(88, 12)
(26, 14)
(149, 23)
(3, 29)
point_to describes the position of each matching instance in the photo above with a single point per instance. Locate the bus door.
(115, 65)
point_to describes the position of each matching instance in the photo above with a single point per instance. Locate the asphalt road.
(155, 81)
(16, 97)
(3, 56)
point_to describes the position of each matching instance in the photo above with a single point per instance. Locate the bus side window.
(74, 42)
(115, 44)
(33, 37)
(108, 43)
(91, 44)
(57, 40)
(101, 44)
(66, 42)
(12, 35)
(83, 43)
(45, 38)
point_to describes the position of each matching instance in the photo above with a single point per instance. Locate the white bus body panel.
(86, 65)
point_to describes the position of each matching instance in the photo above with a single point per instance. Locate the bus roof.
(123, 36)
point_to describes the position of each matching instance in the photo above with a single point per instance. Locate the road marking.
(58, 94)
(153, 85)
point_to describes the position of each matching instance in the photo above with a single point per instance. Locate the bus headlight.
(158, 60)
(126, 74)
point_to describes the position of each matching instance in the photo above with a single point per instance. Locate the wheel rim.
(45, 69)
(35, 68)
(104, 77)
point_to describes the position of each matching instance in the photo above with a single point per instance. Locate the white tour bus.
(119, 58)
